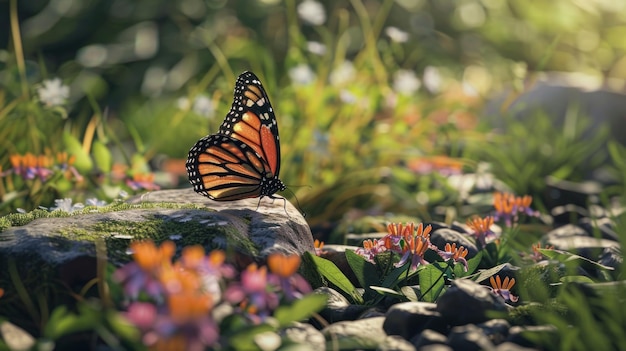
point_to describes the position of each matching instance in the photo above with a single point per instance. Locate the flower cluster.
(509, 207)
(42, 167)
(481, 228)
(142, 181)
(411, 243)
(172, 302)
(443, 165)
(134, 179)
(503, 288)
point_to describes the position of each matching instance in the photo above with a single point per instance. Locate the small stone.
(469, 338)
(509, 346)
(441, 237)
(496, 329)
(611, 257)
(338, 308)
(409, 318)
(428, 337)
(360, 334)
(395, 343)
(304, 334)
(468, 302)
(602, 226)
(436, 347)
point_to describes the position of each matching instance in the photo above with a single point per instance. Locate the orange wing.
(251, 119)
(243, 159)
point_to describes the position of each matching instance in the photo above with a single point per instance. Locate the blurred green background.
(381, 105)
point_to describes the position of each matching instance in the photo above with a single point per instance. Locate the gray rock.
(428, 337)
(436, 347)
(604, 227)
(581, 244)
(563, 192)
(395, 343)
(468, 302)
(446, 235)
(509, 346)
(409, 318)
(576, 239)
(46, 244)
(304, 334)
(338, 308)
(360, 334)
(271, 225)
(611, 257)
(566, 231)
(497, 330)
(469, 338)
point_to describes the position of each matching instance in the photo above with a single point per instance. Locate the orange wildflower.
(283, 265)
(503, 288)
(148, 256)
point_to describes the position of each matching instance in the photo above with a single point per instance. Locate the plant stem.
(17, 45)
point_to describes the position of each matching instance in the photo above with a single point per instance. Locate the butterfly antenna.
(297, 202)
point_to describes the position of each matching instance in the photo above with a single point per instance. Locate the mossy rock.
(41, 251)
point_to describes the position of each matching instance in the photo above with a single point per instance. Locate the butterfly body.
(242, 160)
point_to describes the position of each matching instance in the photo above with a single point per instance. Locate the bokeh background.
(393, 106)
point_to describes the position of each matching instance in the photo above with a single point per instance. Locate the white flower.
(312, 12)
(53, 92)
(183, 103)
(346, 97)
(342, 74)
(302, 74)
(66, 205)
(432, 79)
(405, 82)
(316, 48)
(397, 35)
(203, 106)
(95, 202)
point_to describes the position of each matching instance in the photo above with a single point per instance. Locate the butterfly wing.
(225, 169)
(251, 120)
(243, 159)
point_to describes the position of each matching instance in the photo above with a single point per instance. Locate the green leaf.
(365, 272)
(618, 154)
(573, 260)
(472, 264)
(412, 293)
(300, 309)
(73, 147)
(576, 279)
(432, 281)
(121, 327)
(62, 322)
(329, 271)
(399, 274)
(102, 156)
(486, 273)
(386, 291)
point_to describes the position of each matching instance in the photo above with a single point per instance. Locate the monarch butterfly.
(242, 160)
